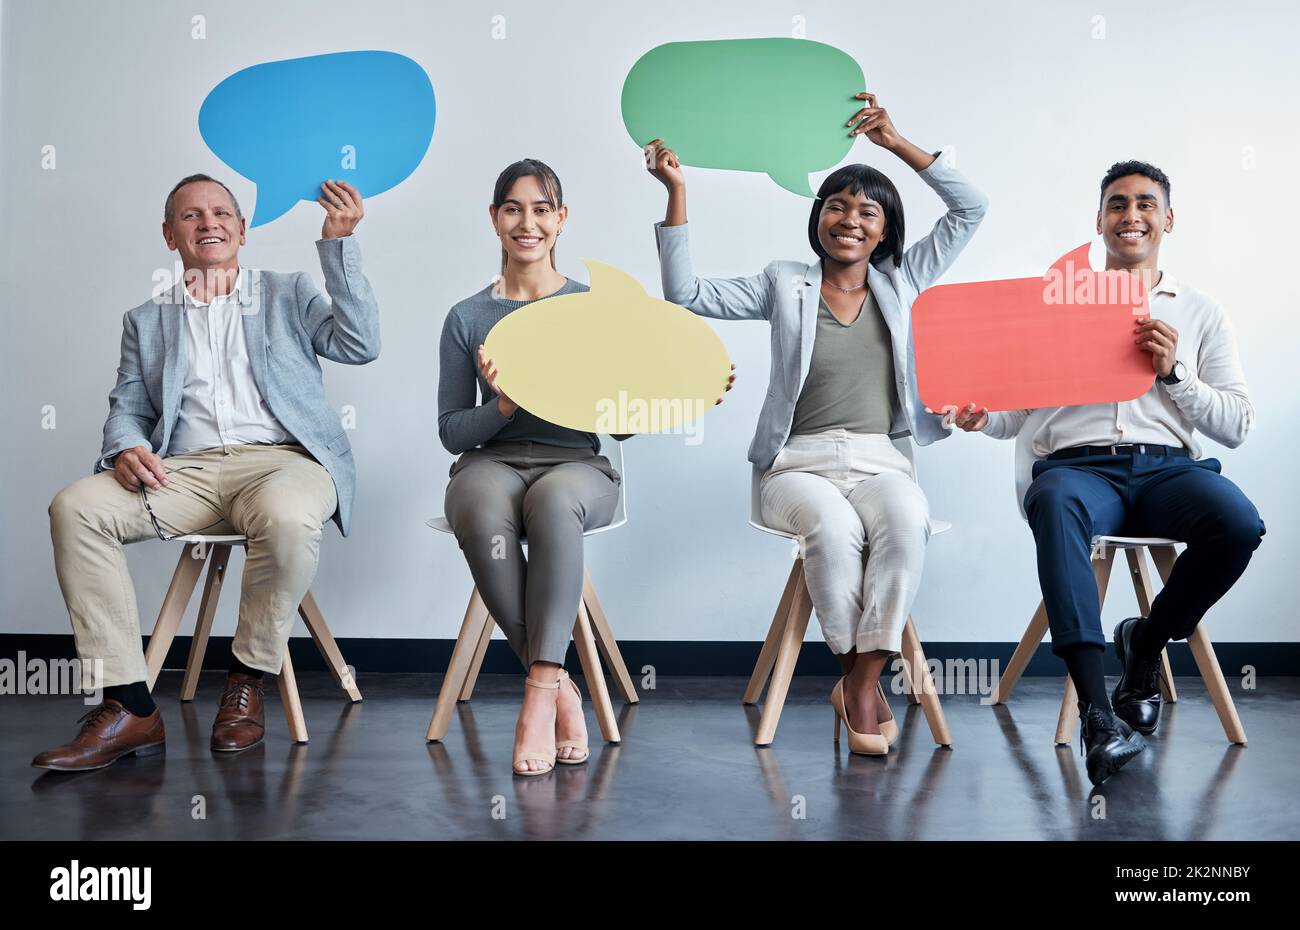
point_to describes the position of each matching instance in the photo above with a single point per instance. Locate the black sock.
(1150, 636)
(134, 697)
(1084, 660)
(241, 668)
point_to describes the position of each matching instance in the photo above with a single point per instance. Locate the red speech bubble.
(1065, 338)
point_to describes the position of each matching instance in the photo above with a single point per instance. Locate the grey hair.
(168, 207)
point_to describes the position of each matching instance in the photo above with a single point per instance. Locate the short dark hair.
(168, 207)
(863, 179)
(524, 168)
(1123, 169)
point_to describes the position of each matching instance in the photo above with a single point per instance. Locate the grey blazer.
(786, 294)
(287, 324)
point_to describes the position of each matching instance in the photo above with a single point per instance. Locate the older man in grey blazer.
(218, 424)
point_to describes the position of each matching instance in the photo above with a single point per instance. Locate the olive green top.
(850, 383)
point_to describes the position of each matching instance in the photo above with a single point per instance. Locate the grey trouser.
(503, 492)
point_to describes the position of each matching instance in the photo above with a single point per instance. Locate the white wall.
(1036, 107)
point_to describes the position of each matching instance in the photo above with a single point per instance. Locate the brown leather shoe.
(110, 732)
(239, 724)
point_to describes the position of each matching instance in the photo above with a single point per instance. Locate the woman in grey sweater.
(843, 387)
(520, 476)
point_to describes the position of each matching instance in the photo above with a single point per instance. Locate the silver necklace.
(845, 290)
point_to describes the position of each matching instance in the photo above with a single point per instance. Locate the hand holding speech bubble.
(1062, 339)
(365, 117)
(610, 360)
(779, 106)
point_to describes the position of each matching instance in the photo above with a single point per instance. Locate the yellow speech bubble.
(610, 360)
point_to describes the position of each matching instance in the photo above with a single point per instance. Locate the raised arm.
(345, 327)
(744, 298)
(930, 257)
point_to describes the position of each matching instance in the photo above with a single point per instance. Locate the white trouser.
(844, 493)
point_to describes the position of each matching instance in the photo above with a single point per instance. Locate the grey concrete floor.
(686, 769)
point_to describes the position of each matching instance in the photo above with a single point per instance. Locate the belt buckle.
(1112, 451)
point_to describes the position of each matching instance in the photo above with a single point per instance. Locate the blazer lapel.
(892, 313)
(810, 299)
(252, 312)
(883, 290)
(175, 358)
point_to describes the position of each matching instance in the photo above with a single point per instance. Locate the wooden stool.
(1163, 553)
(215, 552)
(780, 651)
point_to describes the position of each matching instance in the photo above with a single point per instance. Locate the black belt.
(1131, 449)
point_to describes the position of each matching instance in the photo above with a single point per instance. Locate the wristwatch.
(1176, 374)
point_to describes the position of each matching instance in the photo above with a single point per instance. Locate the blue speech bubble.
(287, 126)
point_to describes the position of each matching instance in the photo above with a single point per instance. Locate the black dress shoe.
(1109, 742)
(1137, 696)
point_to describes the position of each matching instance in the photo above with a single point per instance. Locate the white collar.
(1166, 285)
(234, 295)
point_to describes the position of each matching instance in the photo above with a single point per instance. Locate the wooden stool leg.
(1137, 563)
(471, 628)
(1034, 634)
(1069, 707)
(178, 596)
(1069, 714)
(910, 687)
(1167, 680)
(217, 559)
(329, 649)
(591, 670)
(480, 653)
(606, 643)
(767, 655)
(1216, 685)
(929, 695)
(1164, 557)
(292, 703)
(792, 632)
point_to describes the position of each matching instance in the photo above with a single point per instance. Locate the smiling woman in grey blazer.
(842, 387)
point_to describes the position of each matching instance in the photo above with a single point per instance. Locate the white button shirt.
(220, 402)
(1212, 397)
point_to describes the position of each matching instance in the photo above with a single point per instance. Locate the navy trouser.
(1073, 499)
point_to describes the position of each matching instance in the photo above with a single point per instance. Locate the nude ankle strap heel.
(537, 755)
(581, 750)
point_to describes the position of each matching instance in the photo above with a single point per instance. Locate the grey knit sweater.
(468, 417)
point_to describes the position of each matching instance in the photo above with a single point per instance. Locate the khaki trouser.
(278, 496)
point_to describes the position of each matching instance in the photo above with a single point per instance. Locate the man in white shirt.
(218, 424)
(1133, 468)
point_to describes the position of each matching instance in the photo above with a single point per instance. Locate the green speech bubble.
(779, 106)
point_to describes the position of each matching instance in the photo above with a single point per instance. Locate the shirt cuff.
(1185, 388)
(938, 162)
